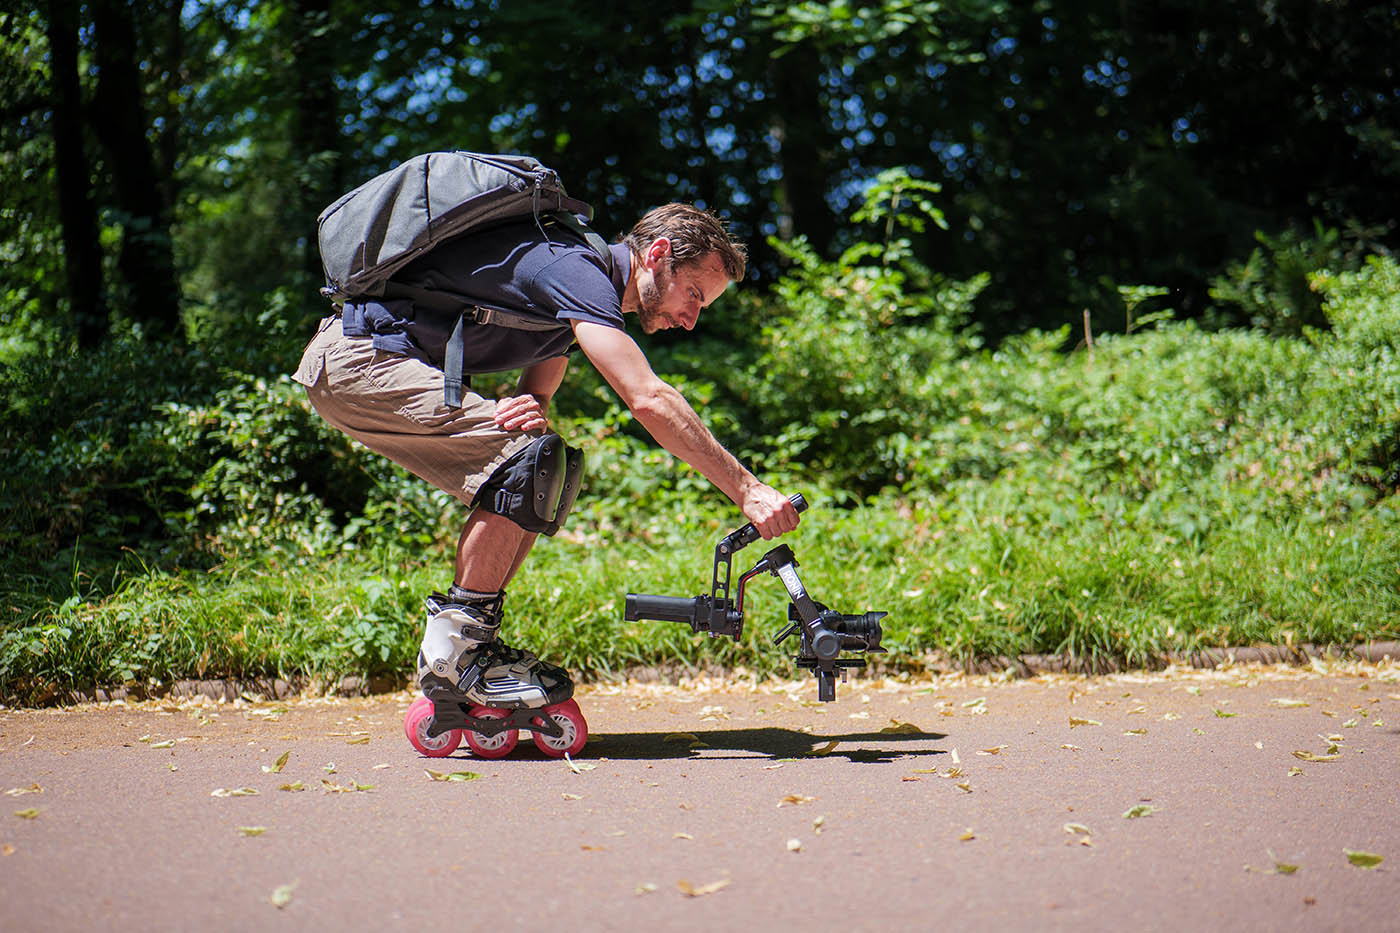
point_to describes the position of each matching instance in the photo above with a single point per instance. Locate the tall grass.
(961, 580)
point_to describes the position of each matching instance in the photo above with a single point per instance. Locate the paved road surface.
(952, 802)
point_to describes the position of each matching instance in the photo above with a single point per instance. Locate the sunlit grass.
(959, 584)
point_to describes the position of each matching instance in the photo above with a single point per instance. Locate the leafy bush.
(1272, 289)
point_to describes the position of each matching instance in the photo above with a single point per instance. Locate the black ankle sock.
(460, 594)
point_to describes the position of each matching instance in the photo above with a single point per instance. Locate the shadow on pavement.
(874, 747)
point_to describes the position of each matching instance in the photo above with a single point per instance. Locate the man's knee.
(537, 487)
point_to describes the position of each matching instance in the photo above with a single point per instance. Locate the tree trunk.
(315, 133)
(146, 257)
(799, 125)
(82, 250)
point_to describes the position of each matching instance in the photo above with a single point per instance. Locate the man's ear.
(659, 249)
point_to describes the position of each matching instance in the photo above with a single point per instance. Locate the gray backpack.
(394, 218)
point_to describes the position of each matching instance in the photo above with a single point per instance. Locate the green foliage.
(174, 512)
(1272, 289)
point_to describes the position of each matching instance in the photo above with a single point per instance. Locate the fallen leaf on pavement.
(690, 890)
(1280, 868)
(794, 845)
(1367, 860)
(793, 800)
(252, 830)
(234, 792)
(28, 814)
(994, 750)
(1309, 756)
(278, 765)
(1076, 721)
(283, 895)
(454, 776)
(826, 749)
(577, 767)
(21, 791)
(1287, 703)
(901, 728)
(1140, 810)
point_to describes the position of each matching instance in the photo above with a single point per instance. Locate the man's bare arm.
(669, 418)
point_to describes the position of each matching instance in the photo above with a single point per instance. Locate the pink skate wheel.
(491, 746)
(415, 726)
(568, 717)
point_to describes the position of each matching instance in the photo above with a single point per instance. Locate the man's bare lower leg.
(490, 551)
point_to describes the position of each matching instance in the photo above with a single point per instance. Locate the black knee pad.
(536, 487)
(568, 492)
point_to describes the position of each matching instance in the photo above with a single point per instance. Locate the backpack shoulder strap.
(590, 236)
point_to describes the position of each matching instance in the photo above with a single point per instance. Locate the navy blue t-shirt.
(513, 267)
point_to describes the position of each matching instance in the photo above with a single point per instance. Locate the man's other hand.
(521, 413)
(771, 512)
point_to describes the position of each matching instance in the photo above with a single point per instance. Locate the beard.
(649, 297)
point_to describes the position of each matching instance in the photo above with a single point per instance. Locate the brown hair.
(693, 233)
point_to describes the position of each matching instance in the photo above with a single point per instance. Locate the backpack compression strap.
(466, 313)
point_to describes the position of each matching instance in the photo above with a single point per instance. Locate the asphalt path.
(1221, 799)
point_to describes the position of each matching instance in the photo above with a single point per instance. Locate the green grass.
(961, 580)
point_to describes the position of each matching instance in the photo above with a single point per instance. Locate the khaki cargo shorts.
(393, 405)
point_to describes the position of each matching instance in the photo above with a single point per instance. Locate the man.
(375, 371)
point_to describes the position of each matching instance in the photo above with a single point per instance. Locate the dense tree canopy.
(167, 158)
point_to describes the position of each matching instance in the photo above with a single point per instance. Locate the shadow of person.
(770, 742)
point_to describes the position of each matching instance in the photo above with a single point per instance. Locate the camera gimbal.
(824, 632)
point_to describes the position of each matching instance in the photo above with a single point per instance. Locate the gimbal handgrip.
(743, 537)
(659, 608)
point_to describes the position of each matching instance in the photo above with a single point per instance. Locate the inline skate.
(479, 690)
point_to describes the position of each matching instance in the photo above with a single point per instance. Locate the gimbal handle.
(743, 537)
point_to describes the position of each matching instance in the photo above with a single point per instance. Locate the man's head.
(684, 259)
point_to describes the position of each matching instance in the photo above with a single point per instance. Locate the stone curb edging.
(271, 689)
